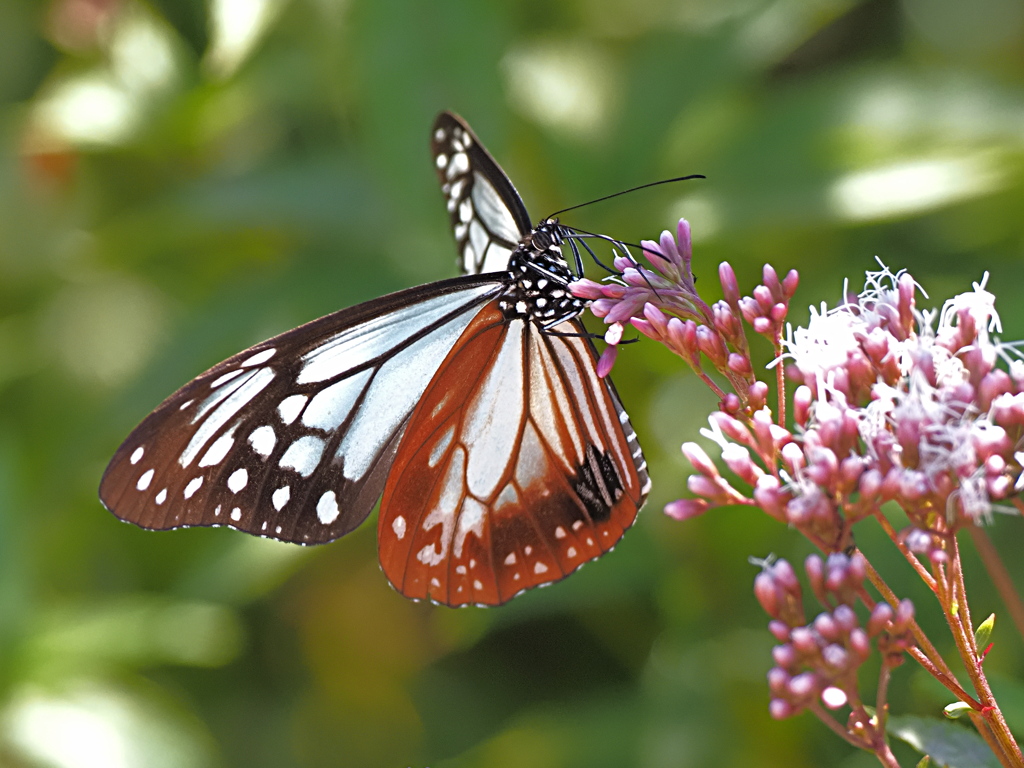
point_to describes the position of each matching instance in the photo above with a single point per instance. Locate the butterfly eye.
(504, 460)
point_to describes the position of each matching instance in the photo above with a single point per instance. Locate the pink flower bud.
(859, 643)
(904, 615)
(767, 594)
(730, 288)
(822, 467)
(710, 343)
(918, 541)
(778, 680)
(757, 395)
(835, 657)
(699, 459)
(607, 361)
(833, 697)
(802, 405)
(645, 328)
(585, 288)
(804, 686)
(785, 656)
(656, 318)
(779, 630)
(880, 618)
(780, 709)
(993, 384)
(804, 641)
(740, 364)
(699, 485)
(731, 404)
(737, 458)
(790, 283)
(826, 626)
(845, 618)
(771, 281)
(770, 497)
(814, 567)
(684, 509)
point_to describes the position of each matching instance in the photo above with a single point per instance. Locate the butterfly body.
(472, 404)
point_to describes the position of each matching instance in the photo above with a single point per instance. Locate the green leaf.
(924, 762)
(946, 743)
(984, 632)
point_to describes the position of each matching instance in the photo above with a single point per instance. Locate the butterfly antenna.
(627, 191)
(580, 234)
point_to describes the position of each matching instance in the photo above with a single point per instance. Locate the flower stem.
(926, 577)
(999, 575)
(963, 634)
(780, 380)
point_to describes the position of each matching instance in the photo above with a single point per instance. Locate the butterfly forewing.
(487, 215)
(292, 439)
(518, 466)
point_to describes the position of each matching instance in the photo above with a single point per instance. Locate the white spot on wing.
(327, 508)
(224, 378)
(491, 209)
(511, 559)
(494, 415)
(444, 513)
(477, 585)
(290, 407)
(145, 480)
(458, 165)
(193, 485)
(471, 519)
(540, 568)
(571, 552)
(252, 385)
(332, 405)
(236, 514)
(161, 497)
(559, 532)
(238, 480)
(259, 358)
(398, 526)
(280, 498)
(303, 455)
(437, 452)
(216, 452)
(377, 336)
(263, 440)
(137, 455)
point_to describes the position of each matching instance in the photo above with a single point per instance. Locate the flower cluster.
(893, 404)
(819, 660)
(662, 303)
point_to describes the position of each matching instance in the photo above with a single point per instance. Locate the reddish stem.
(999, 575)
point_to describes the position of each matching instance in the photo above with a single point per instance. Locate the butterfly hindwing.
(293, 438)
(518, 466)
(487, 214)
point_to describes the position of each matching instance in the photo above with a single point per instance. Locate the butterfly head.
(547, 236)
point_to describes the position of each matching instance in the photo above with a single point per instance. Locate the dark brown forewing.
(292, 439)
(518, 466)
(487, 215)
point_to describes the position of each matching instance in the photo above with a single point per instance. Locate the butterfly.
(471, 407)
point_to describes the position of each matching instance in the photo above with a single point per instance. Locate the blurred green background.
(180, 179)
